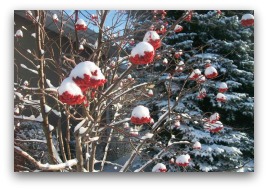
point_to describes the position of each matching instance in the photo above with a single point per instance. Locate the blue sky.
(108, 21)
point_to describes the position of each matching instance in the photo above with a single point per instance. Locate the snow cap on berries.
(202, 93)
(26, 83)
(129, 77)
(217, 126)
(165, 61)
(140, 115)
(94, 17)
(153, 38)
(183, 160)
(70, 93)
(211, 72)
(162, 30)
(132, 42)
(86, 74)
(178, 54)
(223, 87)
(197, 145)
(195, 74)
(214, 117)
(178, 28)
(188, 18)
(221, 97)
(81, 47)
(80, 25)
(55, 18)
(213, 127)
(159, 167)
(177, 124)
(142, 53)
(150, 92)
(19, 34)
(201, 79)
(247, 20)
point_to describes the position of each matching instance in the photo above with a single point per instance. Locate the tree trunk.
(40, 46)
(79, 152)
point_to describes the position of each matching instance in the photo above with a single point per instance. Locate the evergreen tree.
(220, 38)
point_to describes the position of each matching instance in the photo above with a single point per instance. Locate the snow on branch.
(32, 70)
(31, 118)
(46, 167)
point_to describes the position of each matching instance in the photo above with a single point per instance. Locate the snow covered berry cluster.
(85, 75)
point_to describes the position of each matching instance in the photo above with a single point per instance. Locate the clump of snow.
(25, 67)
(49, 83)
(87, 67)
(55, 17)
(247, 17)
(165, 61)
(93, 139)
(208, 61)
(129, 77)
(29, 51)
(82, 130)
(79, 125)
(147, 136)
(197, 145)
(223, 85)
(19, 33)
(140, 48)
(186, 115)
(133, 132)
(81, 47)
(33, 35)
(87, 156)
(181, 63)
(26, 83)
(50, 127)
(16, 110)
(80, 22)
(47, 108)
(126, 125)
(159, 167)
(140, 112)
(39, 118)
(68, 85)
